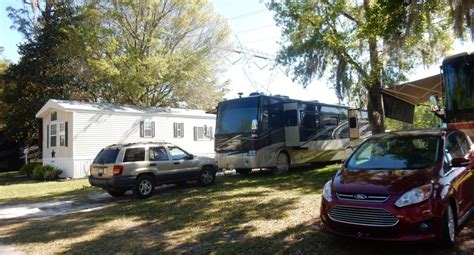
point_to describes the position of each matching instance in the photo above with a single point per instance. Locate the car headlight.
(327, 191)
(416, 195)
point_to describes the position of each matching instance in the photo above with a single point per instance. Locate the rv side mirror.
(434, 103)
(353, 124)
(254, 125)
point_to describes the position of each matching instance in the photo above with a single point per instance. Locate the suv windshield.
(396, 153)
(106, 156)
(236, 116)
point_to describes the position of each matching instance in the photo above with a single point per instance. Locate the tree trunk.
(374, 108)
(374, 104)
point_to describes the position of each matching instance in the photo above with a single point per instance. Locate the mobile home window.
(53, 135)
(62, 134)
(54, 116)
(147, 129)
(178, 130)
(203, 133)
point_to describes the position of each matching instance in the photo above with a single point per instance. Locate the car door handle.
(153, 164)
(176, 163)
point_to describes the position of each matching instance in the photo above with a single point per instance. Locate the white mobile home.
(74, 132)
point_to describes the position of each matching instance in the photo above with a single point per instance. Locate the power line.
(253, 29)
(247, 14)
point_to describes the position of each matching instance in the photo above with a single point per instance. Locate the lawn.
(17, 188)
(257, 214)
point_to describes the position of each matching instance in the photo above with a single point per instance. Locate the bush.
(28, 169)
(46, 173)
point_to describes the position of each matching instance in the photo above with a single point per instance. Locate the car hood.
(381, 182)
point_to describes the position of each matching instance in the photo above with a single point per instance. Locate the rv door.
(292, 123)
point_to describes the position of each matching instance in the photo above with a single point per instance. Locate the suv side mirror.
(190, 156)
(459, 162)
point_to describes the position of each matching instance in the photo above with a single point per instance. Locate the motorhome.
(261, 131)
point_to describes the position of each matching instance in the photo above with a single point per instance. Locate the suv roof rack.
(134, 143)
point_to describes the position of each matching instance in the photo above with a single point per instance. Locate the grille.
(367, 198)
(364, 216)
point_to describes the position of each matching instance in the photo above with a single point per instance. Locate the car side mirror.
(460, 162)
(190, 156)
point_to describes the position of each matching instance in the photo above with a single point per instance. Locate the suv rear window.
(106, 156)
(134, 154)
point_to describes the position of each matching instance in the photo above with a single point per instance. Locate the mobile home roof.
(70, 106)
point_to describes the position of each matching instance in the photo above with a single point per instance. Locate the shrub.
(46, 173)
(27, 169)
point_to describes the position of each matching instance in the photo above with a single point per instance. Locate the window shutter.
(65, 134)
(195, 133)
(142, 130)
(152, 129)
(47, 136)
(175, 129)
(181, 130)
(211, 133)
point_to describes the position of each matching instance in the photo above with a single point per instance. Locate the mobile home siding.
(95, 130)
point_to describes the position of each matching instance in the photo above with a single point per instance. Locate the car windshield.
(396, 153)
(106, 156)
(236, 116)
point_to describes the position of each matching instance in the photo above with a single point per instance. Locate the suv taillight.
(118, 170)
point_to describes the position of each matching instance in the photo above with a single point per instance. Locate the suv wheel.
(207, 176)
(116, 193)
(144, 186)
(448, 237)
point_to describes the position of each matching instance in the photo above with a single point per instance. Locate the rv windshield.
(235, 116)
(459, 85)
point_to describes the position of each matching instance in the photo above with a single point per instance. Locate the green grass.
(17, 188)
(257, 214)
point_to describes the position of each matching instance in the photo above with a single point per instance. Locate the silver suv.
(142, 166)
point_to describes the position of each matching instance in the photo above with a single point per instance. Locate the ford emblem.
(360, 196)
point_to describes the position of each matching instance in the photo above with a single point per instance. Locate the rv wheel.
(282, 164)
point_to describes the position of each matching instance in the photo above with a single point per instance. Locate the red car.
(403, 186)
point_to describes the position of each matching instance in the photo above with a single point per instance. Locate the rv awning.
(416, 92)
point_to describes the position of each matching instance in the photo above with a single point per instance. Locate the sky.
(253, 30)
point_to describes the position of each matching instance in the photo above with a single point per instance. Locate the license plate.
(100, 171)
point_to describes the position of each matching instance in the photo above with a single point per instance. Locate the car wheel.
(282, 164)
(116, 193)
(207, 176)
(448, 237)
(144, 186)
(243, 171)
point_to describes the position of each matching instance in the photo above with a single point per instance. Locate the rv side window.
(291, 118)
(310, 120)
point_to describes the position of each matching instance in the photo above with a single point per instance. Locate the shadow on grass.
(14, 177)
(204, 220)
